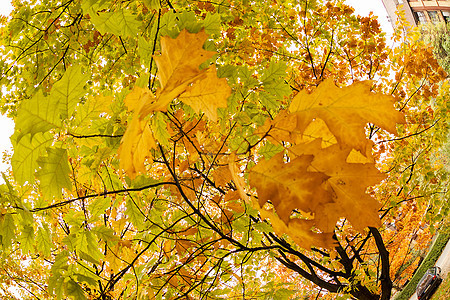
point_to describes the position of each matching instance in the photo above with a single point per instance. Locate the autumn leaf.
(178, 67)
(180, 76)
(348, 183)
(289, 186)
(138, 139)
(207, 94)
(54, 172)
(300, 230)
(346, 111)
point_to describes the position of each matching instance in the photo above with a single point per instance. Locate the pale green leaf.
(98, 206)
(120, 23)
(54, 172)
(26, 153)
(269, 101)
(153, 4)
(69, 90)
(212, 23)
(44, 241)
(90, 111)
(26, 238)
(275, 71)
(159, 129)
(74, 290)
(56, 280)
(133, 212)
(278, 88)
(269, 150)
(104, 233)
(7, 230)
(37, 114)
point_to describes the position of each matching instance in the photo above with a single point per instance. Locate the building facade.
(419, 11)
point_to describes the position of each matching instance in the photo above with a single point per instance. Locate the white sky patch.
(364, 7)
(6, 124)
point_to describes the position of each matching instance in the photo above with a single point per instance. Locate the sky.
(362, 7)
(6, 124)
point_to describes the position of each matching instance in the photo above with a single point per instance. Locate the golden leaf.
(138, 139)
(180, 76)
(299, 230)
(178, 67)
(347, 182)
(207, 94)
(346, 111)
(180, 58)
(289, 186)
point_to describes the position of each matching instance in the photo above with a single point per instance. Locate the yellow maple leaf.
(181, 57)
(179, 67)
(180, 76)
(138, 139)
(207, 94)
(346, 111)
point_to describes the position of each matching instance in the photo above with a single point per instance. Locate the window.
(433, 16)
(446, 15)
(420, 17)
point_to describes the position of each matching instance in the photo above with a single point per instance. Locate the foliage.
(438, 35)
(182, 149)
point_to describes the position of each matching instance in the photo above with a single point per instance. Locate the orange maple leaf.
(289, 186)
(347, 183)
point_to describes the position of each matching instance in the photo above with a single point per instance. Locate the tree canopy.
(209, 150)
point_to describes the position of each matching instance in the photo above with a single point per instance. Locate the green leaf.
(212, 24)
(56, 280)
(187, 20)
(7, 230)
(90, 111)
(145, 49)
(275, 71)
(97, 4)
(269, 150)
(26, 238)
(26, 153)
(91, 281)
(159, 128)
(269, 101)
(54, 172)
(153, 4)
(37, 114)
(69, 90)
(87, 246)
(119, 23)
(82, 241)
(98, 206)
(278, 88)
(104, 233)
(74, 290)
(44, 241)
(133, 212)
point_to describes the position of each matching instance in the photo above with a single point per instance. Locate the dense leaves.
(180, 150)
